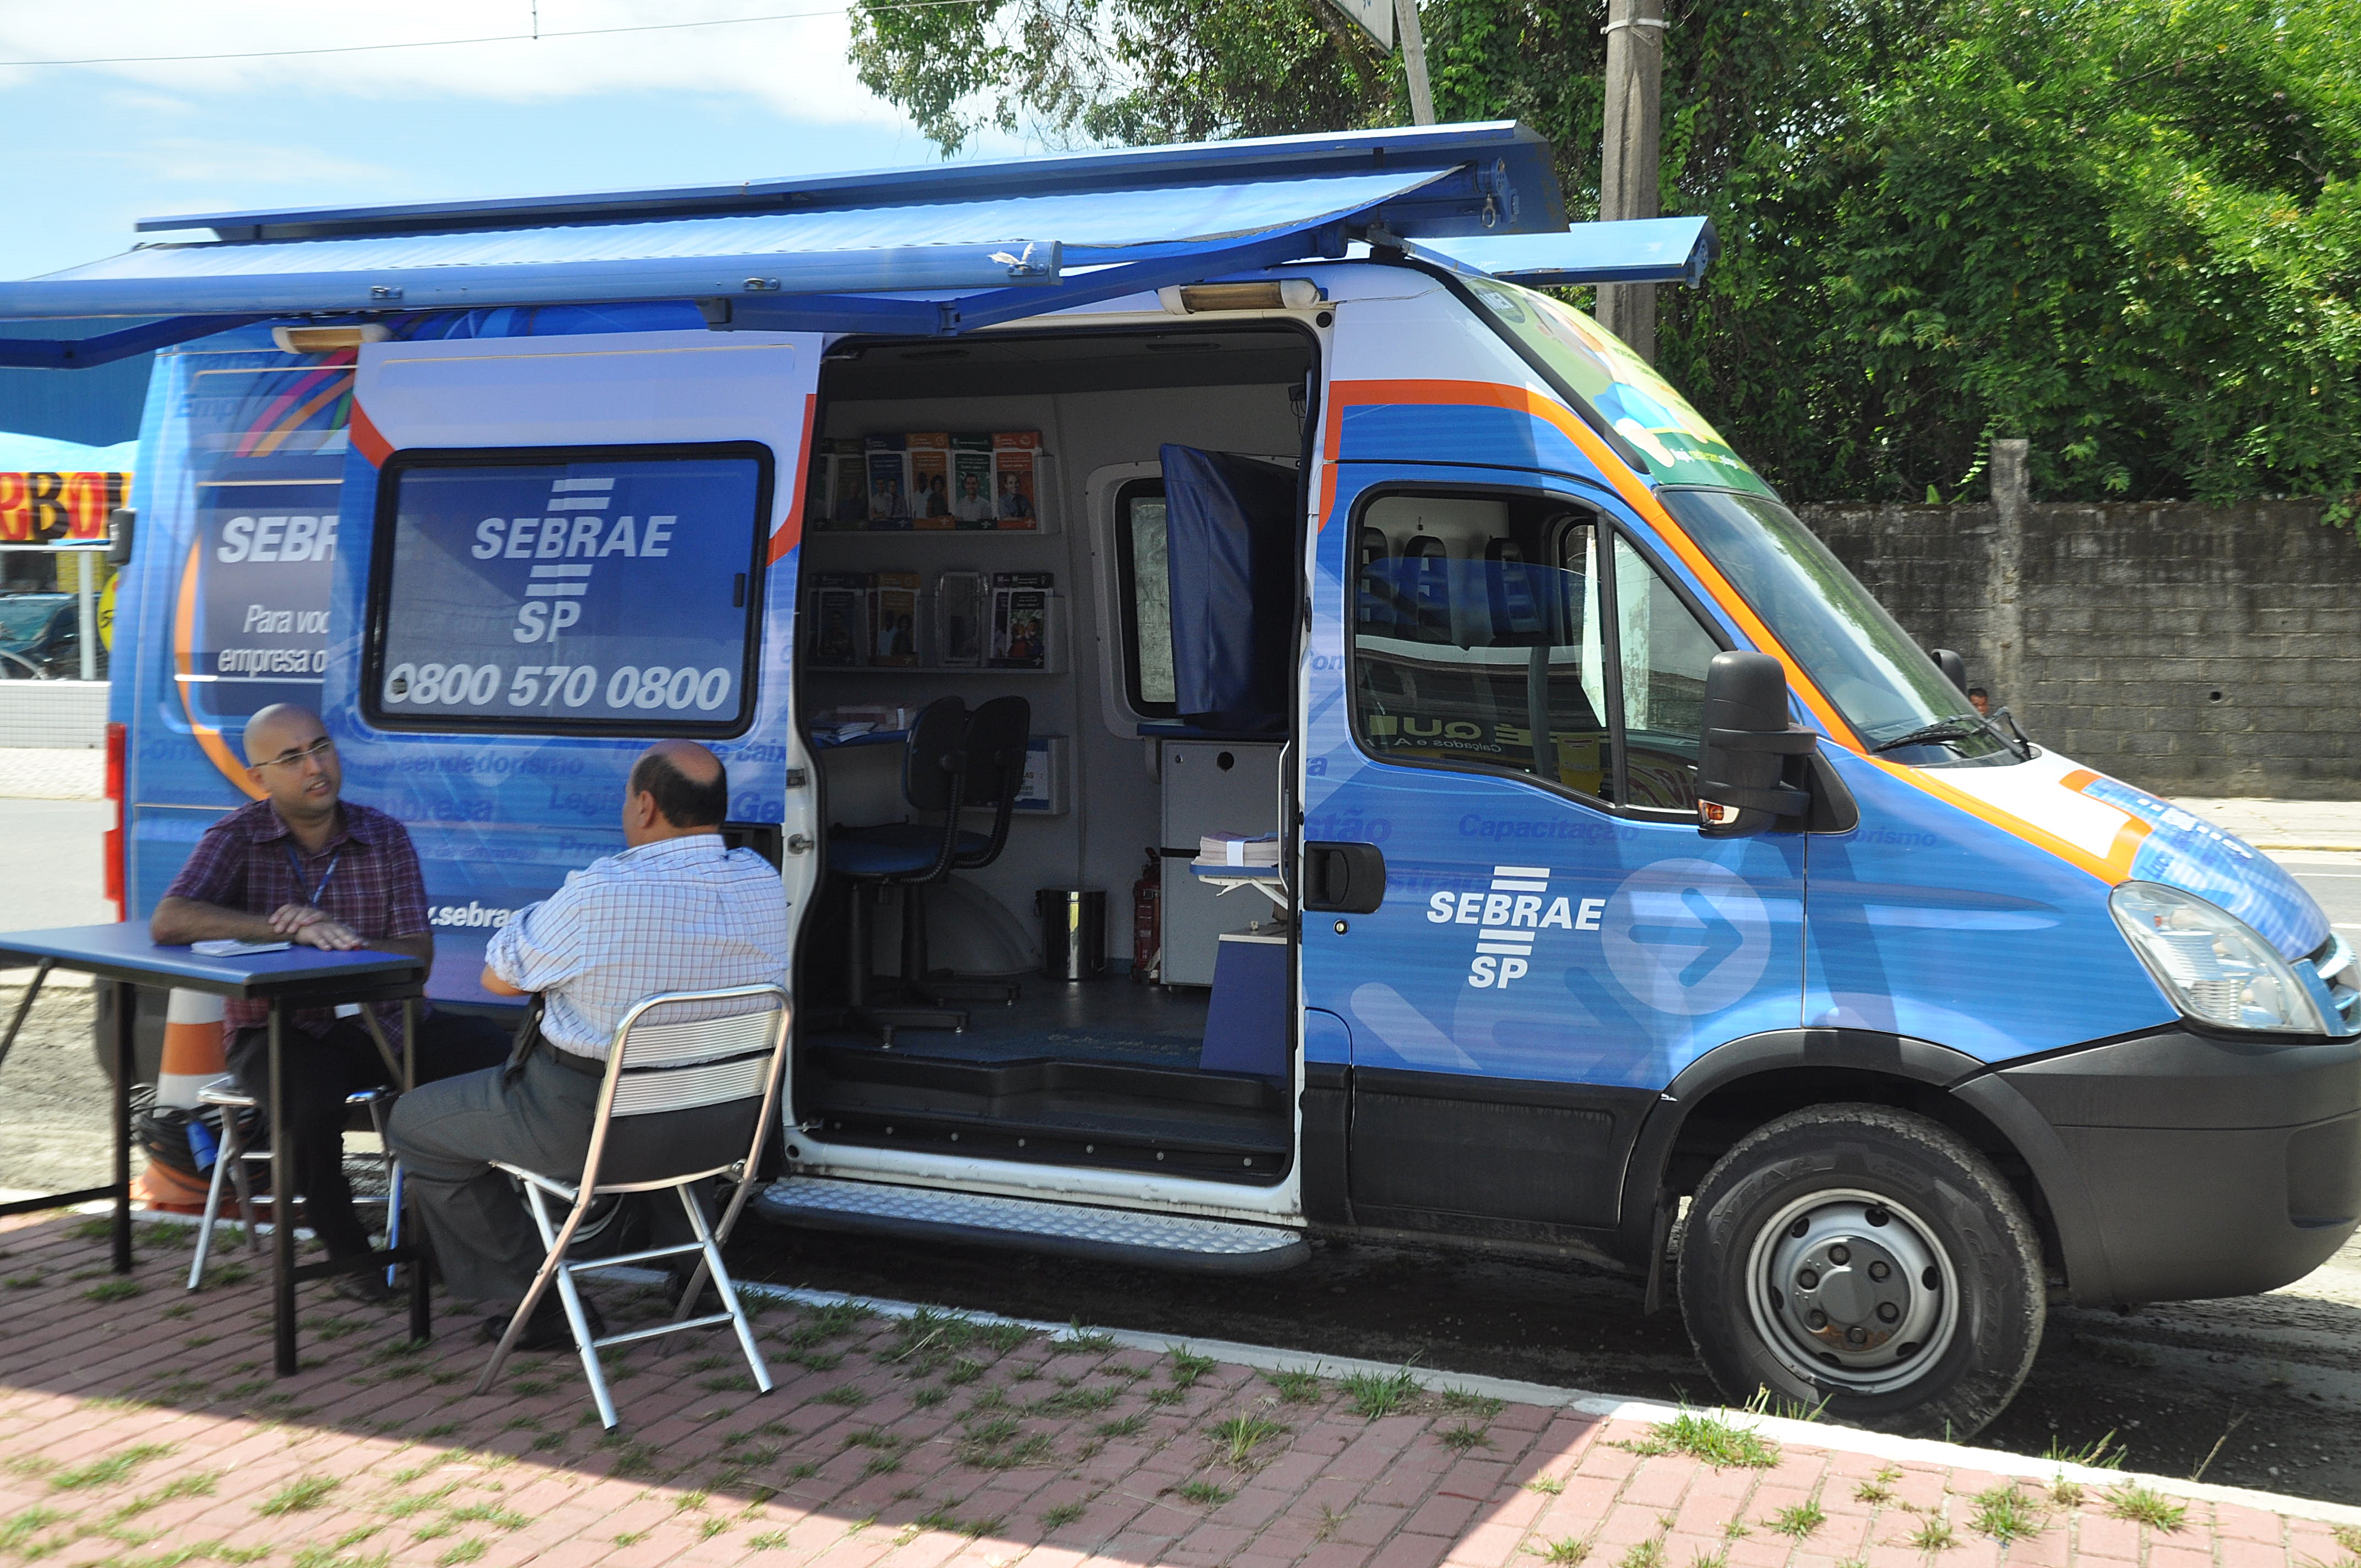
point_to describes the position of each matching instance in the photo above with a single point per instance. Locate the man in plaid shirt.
(300, 865)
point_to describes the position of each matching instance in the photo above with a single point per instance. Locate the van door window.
(1663, 657)
(1478, 638)
(552, 591)
(1146, 592)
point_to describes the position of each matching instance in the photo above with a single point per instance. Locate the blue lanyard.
(295, 864)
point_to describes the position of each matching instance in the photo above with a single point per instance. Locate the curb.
(1608, 1406)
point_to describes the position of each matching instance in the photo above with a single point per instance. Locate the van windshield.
(1884, 683)
(1592, 364)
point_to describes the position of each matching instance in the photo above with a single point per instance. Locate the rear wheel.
(1869, 1261)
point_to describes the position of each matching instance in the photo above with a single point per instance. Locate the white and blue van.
(1644, 892)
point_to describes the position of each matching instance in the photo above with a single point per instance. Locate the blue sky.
(92, 147)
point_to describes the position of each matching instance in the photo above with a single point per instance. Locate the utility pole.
(1628, 161)
(1413, 41)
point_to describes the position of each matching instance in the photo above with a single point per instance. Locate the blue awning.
(943, 249)
(1634, 250)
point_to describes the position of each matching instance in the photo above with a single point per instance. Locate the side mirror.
(122, 524)
(1744, 783)
(1954, 668)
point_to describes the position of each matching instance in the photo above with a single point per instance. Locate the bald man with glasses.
(303, 865)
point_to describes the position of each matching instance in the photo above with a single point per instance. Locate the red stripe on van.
(790, 531)
(366, 441)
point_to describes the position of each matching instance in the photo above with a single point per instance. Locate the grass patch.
(114, 1290)
(2143, 1507)
(1297, 1388)
(942, 1518)
(1376, 1394)
(1878, 1488)
(769, 1541)
(106, 1472)
(465, 1552)
(1461, 1403)
(488, 1513)
(1074, 1402)
(1241, 1435)
(1077, 1337)
(1565, 1551)
(1798, 1521)
(17, 1533)
(1465, 1437)
(1061, 1516)
(927, 1398)
(1122, 1426)
(1646, 1554)
(199, 1484)
(1932, 1535)
(1710, 1439)
(873, 1437)
(2005, 1514)
(844, 1394)
(1187, 1368)
(297, 1495)
(404, 1507)
(2101, 1453)
(1547, 1485)
(1203, 1492)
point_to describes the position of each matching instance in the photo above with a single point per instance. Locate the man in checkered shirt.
(675, 911)
(303, 865)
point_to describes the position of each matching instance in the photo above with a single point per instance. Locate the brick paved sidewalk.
(139, 1426)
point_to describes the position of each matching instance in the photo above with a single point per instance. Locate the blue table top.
(122, 951)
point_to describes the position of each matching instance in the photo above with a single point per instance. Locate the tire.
(1920, 1263)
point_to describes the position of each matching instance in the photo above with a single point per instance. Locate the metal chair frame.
(230, 1161)
(579, 1194)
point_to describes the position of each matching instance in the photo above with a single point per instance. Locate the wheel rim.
(1851, 1288)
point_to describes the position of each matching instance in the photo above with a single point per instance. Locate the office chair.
(907, 855)
(997, 735)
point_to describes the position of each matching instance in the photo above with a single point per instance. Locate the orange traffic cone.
(193, 1047)
(192, 1058)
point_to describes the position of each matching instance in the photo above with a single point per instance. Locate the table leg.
(422, 1326)
(25, 1005)
(125, 1015)
(283, 1210)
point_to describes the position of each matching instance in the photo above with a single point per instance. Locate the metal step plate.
(1071, 1230)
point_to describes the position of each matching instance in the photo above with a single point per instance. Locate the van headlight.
(2211, 964)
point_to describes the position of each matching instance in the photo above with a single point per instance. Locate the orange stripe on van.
(1635, 494)
(184, 643)
(367, 439)
(790, 531)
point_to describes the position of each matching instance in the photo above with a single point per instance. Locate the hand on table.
(308, 925)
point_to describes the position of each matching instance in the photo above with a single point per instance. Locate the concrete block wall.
(59, 714)
(2190, 650)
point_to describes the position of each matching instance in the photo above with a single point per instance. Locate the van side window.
(1146, 590)
(550, 591)
(1478, 637)
(1663, 655)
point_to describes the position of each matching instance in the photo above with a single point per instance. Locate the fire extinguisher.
(1146, 920)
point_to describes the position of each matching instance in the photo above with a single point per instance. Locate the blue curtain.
(1230, 537)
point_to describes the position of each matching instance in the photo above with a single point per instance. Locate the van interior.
(915, 630)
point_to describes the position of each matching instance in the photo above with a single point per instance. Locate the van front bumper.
(2180, 1165)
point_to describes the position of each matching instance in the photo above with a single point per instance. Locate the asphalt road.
(2262, 1391)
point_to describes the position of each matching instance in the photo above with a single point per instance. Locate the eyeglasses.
(321, 749)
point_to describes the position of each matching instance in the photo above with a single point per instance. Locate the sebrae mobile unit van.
(1642, 893)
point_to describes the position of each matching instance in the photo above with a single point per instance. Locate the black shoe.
(546, 1329)
(708, 1300)
(368, 1288)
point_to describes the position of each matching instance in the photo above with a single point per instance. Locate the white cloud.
(796, 67)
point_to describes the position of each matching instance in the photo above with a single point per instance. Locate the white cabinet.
(1211, 786)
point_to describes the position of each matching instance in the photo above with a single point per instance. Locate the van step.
(1069, 1229)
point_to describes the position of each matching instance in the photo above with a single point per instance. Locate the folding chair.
(238, 1109)
(656, 1065)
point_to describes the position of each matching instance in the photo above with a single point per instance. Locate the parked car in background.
(40, 637)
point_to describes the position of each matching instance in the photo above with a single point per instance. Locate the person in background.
(302, 865)
(675, 911)
(1980, 700)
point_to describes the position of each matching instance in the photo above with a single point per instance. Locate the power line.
(491, 38)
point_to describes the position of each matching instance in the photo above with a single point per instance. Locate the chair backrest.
(935, 737)
(693, 1051)
(996, 737)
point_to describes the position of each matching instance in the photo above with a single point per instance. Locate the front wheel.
(1867, 1261)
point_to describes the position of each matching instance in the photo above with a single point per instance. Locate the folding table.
(298, 977)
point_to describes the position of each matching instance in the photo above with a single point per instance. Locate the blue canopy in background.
(1230, 538)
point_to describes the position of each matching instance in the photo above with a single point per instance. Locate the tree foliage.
(2129, 230)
